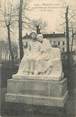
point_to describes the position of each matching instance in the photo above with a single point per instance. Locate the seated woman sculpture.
(27, 65)
(41, 58)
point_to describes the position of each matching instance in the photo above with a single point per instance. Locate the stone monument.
(40, 78)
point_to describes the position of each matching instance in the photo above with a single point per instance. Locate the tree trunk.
(20, 30)
(72, 41)
(10, 45)
(67, 41)
(38, 29)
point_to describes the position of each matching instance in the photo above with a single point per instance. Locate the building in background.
(57, 40)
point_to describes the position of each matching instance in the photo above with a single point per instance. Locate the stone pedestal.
(36, 91)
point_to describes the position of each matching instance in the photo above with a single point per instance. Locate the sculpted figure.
(41, 59)
(32, 52)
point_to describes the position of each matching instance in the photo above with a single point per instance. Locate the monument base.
(37, 91)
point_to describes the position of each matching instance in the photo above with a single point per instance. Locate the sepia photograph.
(37, 58)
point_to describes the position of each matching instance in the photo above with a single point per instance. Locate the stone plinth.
(37, 91)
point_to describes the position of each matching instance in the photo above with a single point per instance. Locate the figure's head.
(40, 37)
(33, 36)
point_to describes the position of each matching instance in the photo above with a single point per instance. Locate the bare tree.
(73, 31)
(38, 25)
(21, 19)
(13, 15)
(7, 14)
(22, 23)
(20, 29)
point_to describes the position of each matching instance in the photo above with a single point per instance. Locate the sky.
(50, 11)
(47, 10)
